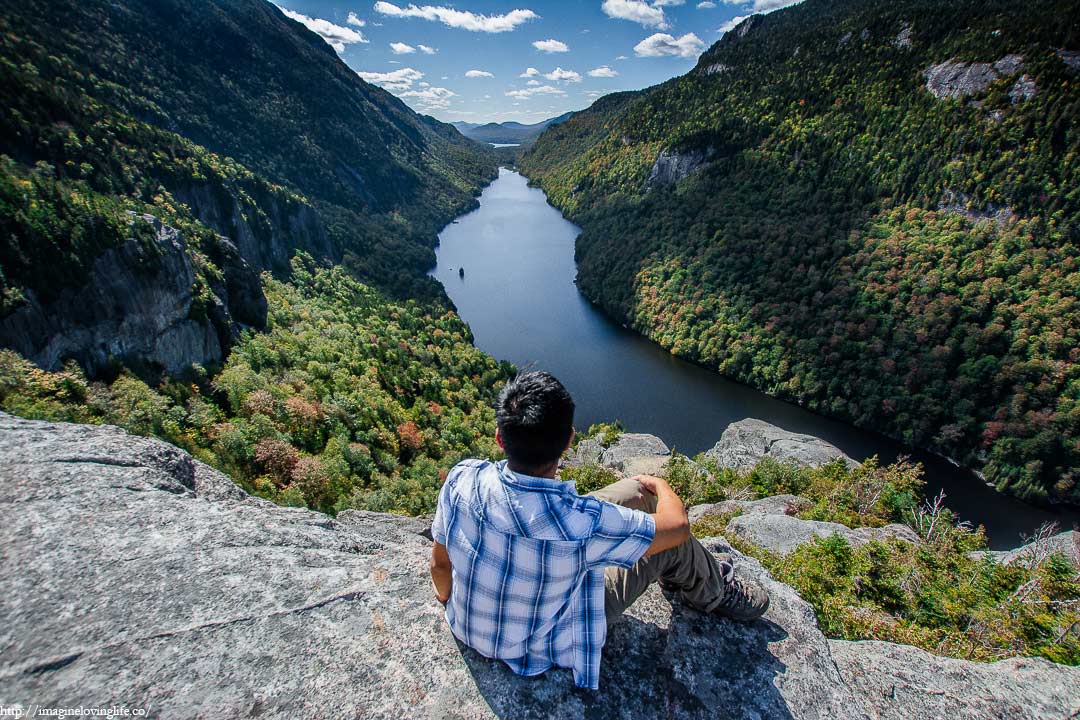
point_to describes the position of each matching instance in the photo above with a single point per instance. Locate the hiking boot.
(742, 600)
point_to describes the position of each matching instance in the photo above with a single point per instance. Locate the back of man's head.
(535, 415)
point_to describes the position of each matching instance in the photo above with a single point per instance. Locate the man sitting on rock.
(531, 572)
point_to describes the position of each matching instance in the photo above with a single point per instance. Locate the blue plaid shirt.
(528, 557)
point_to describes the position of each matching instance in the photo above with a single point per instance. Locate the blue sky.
(481, 61)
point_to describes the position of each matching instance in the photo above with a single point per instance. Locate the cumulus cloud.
(551, 46)
(560, 75)
(534, 83)
(354, 19)
(706, 5)
(427, 50)
(408, 83)
(458, 18)
(637, 11)
(662, 44)
(395, 81)
(668, 3)
(430, 98)
(337, 36)
(602, 71)
(478, 74)
(530, 72)
(538, 90)
(730, 24)
(400, 48)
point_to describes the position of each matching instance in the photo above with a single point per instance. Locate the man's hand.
(672, 525)
(651, 483)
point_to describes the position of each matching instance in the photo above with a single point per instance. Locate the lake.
(518, 296)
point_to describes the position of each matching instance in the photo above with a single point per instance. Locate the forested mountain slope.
(156, 156)
(869, 209)
(130, 98)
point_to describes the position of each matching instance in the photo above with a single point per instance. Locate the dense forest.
(871, 210)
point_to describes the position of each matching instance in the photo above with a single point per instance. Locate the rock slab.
(134, 575)
(746, 442)
(782, 534)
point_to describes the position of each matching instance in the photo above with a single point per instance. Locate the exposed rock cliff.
(141, 303)
(671, 166)
(135, 575)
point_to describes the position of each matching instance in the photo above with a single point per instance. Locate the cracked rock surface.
(134, 575)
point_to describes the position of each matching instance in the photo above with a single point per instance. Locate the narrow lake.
(518, 296)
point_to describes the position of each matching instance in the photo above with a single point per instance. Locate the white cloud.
(668, 3)
(602, 71)
(530, 72)
(637, 11)
(662, 44)
(730, 24)
(430, 98)
(337, 36)
(400, 48)
(353, 19)
(706, 5)
(622, 57)
(459, 18)
(478, 74)
(560, 75)
(551, 46)
(395, 80)
(530, 92)
(534, 83)
(427, 50)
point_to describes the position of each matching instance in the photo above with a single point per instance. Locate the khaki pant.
(688, 569)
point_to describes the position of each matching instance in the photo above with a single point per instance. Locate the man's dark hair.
(535, 415)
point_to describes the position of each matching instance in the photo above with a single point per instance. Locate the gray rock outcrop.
(952, 79)
(957, 80)
(746, 442)
(134, 575)
(671, 166)
(633, 445)
(137, 304)
(782, 534)
(772, 505)
(900, 682)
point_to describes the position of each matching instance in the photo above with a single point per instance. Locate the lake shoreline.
(503, 325)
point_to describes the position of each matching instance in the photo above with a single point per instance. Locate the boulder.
(782, 534)
(633, 445)
(772, 505)
(134, 575)
(746, 442)
(900, 682)
(1066, 543)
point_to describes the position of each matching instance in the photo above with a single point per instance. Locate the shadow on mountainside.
(696, 666)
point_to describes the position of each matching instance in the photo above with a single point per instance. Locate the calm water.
(519, 297)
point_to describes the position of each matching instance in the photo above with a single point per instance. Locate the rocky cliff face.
(141, 303)
(135, 575)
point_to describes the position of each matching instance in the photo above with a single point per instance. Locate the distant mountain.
(870, 209)
(508, 132)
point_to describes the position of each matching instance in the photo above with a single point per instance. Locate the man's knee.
(627, 492)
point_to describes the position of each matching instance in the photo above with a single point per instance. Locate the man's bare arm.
(672, 524)
(441, 576)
